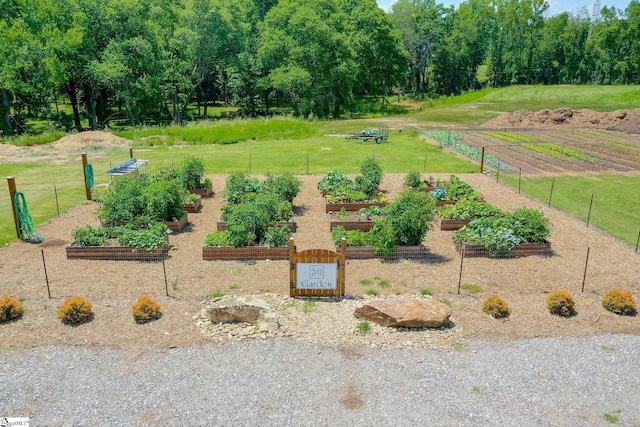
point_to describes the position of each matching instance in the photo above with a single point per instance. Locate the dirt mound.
(620, 120)
(95, 137)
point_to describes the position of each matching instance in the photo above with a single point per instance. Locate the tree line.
(146, 61)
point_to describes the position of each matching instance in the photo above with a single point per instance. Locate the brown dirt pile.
(621, 120)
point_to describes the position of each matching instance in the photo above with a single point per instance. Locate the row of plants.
(562, 303)
(338, 188)
(77, 310)
(151, 237)
(514, 138)
(254, 211)
(455, 190)
(450, 140)
(499, 235)
(468, 209)
(403, 222)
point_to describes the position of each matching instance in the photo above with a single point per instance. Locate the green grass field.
(280, 145)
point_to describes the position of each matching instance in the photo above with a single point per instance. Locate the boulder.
(406, 312)
(241, 309)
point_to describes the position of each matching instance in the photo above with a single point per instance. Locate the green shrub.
(496, 307)
(277, 237)
(382, 238)
(285, 186)
(146, 309)
(410, 216)
(426, 291)
(561, 303)
(234, 190)
(413, 179)
(619, 302)
(10, 309)
(190, 172)
(75, 310)
(371, 171)
(335, 182)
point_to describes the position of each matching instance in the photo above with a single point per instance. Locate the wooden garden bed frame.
(335, 207)
(177, 225)
(366, 252)
(364, 224)
(524, 249)
(202, 192)
(115, 253)
(453, 224)
(244, 253)
(221, 225)
(193, 207)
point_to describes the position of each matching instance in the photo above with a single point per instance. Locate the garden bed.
(353, 222)
(193, 207)
(453, 224)
(177, 225)
(351, 207)
(115, 253)
(406, 252)
(202, 192)
(244, 253)
(221, 225)
(522, 249)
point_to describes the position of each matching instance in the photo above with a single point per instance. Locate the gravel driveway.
(526, 382)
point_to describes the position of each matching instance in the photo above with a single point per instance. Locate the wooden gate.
(313, 264)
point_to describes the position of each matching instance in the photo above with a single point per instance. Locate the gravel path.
(540, 381)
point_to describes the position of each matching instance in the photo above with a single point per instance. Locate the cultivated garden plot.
(113, 286)
(550, 151)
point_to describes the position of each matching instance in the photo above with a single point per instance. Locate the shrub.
(383, 239)
(561, 303)
(146, 309)
(335, 181)
(285, 186)
(410, 216)
(413, 179)
(75, 310)
(619, 302)
(10, 309)
(371, 171)
(190, 172)
(496, 307)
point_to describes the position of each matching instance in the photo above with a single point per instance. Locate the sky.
(555, 6)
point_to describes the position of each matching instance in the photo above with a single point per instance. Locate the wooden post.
(553, 182)
(46, 276)
(166, 284)
(424, 168)
(292, 268)
(590, 206)
(586, 264)
(12, 191)
(87, 190)
(519, 180)
(482, 161)
(461, 263)
(131, 153)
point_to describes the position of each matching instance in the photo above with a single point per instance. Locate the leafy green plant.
(89, 236)
(450, 139)
(410, 216)
(426, 291)
(413, 180)
(285, 186)
(218, 239)
(382, 238)
(10, 309)
(146, 309)
(309, 306)
(364, 327)
(334, 182)
(372, 292)
(384, 283)
(468, 209)
(216, 294)
(233, 286)
(277, 237)
(342, 214)
(366, 282)
(148, 239)
(495, 306)
(190, 172)
(561, 303)
(471, 288)
(619, 302)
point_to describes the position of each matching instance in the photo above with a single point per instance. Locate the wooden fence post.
(12, 191)
(87, 190)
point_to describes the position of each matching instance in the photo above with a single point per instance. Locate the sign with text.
(317, 276)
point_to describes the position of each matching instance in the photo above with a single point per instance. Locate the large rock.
(406, 312)
(241, 309)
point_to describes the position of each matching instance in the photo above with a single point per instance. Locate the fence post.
(55, 192)
(482, 161)
(131, 153)
(586, 263)
(461, 263)
(166, 285)
(87, 190)
(424, 168)
(553, 182)
(307, 163)
(638, 241)
(519, 180)
(590, 206)
(498, 173)
(46, 277)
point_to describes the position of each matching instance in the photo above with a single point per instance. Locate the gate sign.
(317, 276)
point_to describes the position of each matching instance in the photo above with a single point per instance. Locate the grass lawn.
(615, 200)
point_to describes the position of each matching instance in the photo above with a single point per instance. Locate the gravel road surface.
(281, 382)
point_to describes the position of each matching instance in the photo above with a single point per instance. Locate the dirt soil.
(627, 121)
(113, 286)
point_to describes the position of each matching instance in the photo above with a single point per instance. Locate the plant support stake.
(460, 276)
(424, 168)
(166, 285)
(519, 179)
(55, 191)
(590, 206)
(638, 241)
(46, 277)
(586, 264)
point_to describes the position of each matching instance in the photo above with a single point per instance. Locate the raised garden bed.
(523, 249)
(453, 224)
(446, 202)
(194, 206)
(221, 225)
(202, 192)
(244, 253)
(354, 222)
(335, 207)
(178, 224)
(115, 253)
(366, 252)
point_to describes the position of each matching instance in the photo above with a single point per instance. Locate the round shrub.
(75, 310)
(10, 309)
(619, 302)
(495, 306)
(146, 309)
(561, 303)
